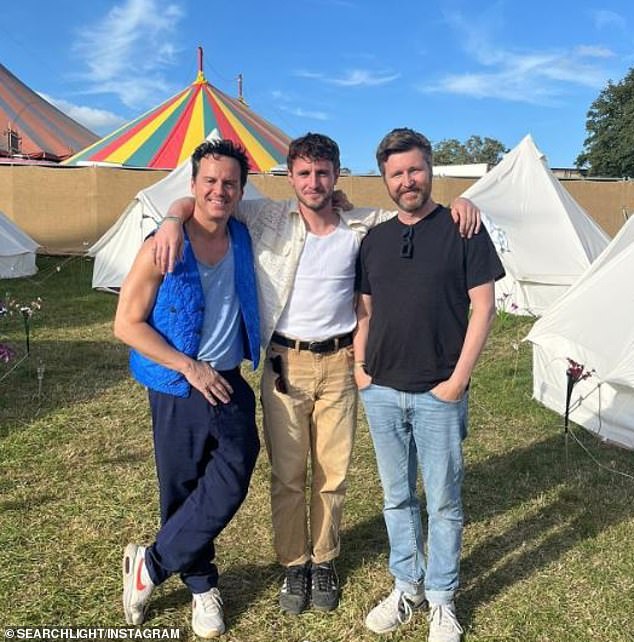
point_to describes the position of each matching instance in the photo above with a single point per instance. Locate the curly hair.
(222, 147)
(313, 147)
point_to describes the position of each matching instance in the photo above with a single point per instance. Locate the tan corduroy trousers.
(316, 417)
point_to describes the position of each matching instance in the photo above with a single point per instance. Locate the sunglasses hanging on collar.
(407, 242)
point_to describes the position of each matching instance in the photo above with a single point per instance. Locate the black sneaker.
(325, 586)
(295, 589)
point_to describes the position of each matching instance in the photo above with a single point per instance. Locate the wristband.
(170, 218)
(359, 364)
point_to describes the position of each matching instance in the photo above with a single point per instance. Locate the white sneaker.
(396, 609)
(137, 585)
(207, 616)
(443, 624)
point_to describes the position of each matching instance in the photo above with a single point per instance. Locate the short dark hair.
(313, 147)
(223, 147)
(402, 139)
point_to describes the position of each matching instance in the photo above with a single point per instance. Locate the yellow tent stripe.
(124, 152)
(195, 131)
(262, 158)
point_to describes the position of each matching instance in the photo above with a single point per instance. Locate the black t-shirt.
(420, 304)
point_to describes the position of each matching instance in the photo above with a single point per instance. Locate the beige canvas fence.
(66, 209)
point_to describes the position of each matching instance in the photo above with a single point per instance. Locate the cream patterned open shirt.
(278, 234)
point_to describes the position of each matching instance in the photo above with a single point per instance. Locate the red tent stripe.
(35, 134)
(104, 152)
(280, 145)
(158, 140)
(44, 129)
(275, 146)
(50, 124)
(227, 131)
(275, 136)
(169, 153)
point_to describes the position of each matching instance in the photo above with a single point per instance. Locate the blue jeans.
(410, 430)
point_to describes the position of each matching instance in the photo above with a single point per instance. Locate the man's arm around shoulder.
(168, 239)
(463, 212)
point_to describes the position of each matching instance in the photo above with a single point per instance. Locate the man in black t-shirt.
(415, 349)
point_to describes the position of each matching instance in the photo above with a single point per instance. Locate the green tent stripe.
(143, 156)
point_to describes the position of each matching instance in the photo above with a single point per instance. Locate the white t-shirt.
(321, 302)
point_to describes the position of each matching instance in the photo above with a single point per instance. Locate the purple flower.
(6, 353)
(577, 371)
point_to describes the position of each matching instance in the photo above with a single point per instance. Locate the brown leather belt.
(327, 345)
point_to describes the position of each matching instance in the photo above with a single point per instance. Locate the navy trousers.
(204, 459)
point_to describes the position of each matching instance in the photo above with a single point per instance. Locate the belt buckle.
(323, 347)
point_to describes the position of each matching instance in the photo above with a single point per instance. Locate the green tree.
(474, 150)
(487, 150)
(450, 152)
(608, 149)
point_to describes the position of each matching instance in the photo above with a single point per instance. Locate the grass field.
(548, 550)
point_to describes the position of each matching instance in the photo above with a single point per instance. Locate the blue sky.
(352, 69)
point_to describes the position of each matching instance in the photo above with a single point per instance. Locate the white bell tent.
(17, 250)
(544, 238)
(593, 325)
(115, 251)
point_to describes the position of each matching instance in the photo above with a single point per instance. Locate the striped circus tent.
(34, 129)
(165, 136)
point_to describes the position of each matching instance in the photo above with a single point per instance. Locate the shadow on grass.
(517, 478)
(362, 543)
(240, 586)
(580, 511)
(27, 503)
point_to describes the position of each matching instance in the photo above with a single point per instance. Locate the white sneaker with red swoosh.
(137, 585)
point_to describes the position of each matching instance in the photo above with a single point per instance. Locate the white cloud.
(136, 93)
(538, 77)
(594, 51)
(352, 78)
(126, 51)
(303, 113)
(311, 75)
(100, 121)
(501, 86)
(362, 77)
(287, 102)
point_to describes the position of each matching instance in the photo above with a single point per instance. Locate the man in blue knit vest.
(189, 331)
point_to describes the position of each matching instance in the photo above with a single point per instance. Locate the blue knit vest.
(179, 310)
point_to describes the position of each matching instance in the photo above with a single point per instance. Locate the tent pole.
(570, 383)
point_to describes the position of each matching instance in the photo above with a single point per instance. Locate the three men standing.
(305, 253)
(415, 349)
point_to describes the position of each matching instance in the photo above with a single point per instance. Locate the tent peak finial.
(200, 77)
(240, 95)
